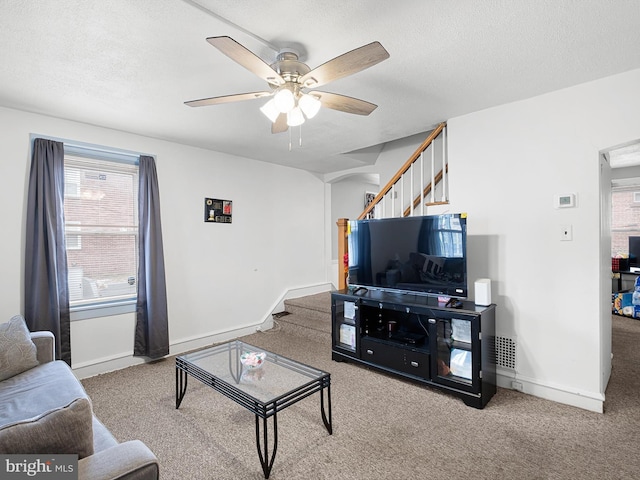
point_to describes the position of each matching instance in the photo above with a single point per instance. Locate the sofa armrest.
(130, 460)
(45, 344)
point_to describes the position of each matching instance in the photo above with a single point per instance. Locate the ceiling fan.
(291, 82)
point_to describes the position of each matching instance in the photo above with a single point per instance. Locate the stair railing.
(388, 192)
(427, 196)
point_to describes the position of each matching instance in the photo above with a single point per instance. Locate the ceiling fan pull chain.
(300, 130)
(290, 139)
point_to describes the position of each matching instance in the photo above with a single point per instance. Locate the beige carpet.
(384, 428)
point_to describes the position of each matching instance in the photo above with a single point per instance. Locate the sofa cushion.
(45, 410)
(17, 352)
(62, 430)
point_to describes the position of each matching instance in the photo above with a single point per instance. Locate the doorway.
(618, 166)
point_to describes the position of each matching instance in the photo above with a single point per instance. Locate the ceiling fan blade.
(246, 58)
(280, 125)
(346, 64)
(227, 99)
(344, 103)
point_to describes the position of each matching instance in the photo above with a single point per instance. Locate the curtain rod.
(102, 150)
(74, 145)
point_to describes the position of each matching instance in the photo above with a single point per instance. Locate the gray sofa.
(45, 410)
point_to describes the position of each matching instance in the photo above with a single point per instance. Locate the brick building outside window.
(101, 227)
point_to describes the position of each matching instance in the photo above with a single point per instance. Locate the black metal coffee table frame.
(320, 381)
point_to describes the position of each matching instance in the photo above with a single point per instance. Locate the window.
(625, 216)
(101, 230)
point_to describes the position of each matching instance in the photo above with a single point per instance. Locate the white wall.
(222, 280)
(395, 154)
(347, 201)
(506, 165)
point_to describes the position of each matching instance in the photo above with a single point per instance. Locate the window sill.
(107, 309)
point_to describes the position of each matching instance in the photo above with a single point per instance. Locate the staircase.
(308, 316)
(425, 172)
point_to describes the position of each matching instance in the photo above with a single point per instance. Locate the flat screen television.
(634, 251)
(422, 255)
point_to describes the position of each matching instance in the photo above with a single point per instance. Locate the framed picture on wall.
(217, 211)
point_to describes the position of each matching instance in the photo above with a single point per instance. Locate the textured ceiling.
(130, 65)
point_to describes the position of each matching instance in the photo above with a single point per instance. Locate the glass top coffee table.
(262, 382)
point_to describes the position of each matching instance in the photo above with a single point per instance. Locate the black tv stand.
(418, 338)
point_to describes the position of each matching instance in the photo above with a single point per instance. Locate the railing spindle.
(401, 194)
(433, 172)
(444, 164)
(393, 201)
(411, 190)
(421, 183)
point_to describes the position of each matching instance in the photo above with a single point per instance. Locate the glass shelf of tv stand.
(454, 354)
(345, 318)
(346, 334)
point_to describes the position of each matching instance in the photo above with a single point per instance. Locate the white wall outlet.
(566, 233)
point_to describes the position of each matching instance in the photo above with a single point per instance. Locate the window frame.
(99, 308)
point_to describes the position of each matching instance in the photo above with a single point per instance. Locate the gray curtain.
(46, 293)
(152, 326)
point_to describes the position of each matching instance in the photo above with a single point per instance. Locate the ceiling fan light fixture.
(309, 104)
(284, 100)
(295, 117)
(270, 110)
(288, 76)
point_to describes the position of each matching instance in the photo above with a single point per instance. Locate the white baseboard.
(586, 400)
(117, 362)
(106, 365)
(591, 401)
(126, 359)
(301, 292)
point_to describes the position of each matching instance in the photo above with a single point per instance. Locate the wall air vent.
(505, 352)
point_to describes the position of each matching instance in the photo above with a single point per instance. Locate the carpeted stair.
(308, 316)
